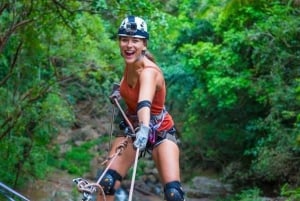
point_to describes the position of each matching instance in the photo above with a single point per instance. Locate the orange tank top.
(130, 96)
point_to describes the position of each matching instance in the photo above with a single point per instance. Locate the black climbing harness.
(155, 136)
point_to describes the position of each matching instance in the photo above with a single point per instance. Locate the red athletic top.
(130, 96)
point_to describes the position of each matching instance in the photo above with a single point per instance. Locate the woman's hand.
(141, 138)
(115, 93)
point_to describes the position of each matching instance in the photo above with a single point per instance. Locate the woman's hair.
(149, 56)
(147, 53)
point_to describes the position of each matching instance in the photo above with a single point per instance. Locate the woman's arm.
(148, 83)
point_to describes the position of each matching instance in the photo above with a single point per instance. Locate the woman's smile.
(129, 53)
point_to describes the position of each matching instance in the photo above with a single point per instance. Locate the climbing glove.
(141, 138)
(115, 93)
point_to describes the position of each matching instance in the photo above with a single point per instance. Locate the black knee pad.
(108, 181)
(173, 191)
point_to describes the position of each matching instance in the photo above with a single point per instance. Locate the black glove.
(141, 138)
(115, 93)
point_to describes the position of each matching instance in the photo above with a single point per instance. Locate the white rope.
(133, 174)
(85, 186)
(111, 126)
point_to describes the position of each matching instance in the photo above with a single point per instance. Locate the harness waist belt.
(155, 117)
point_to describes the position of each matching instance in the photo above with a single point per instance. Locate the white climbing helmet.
(133, 26)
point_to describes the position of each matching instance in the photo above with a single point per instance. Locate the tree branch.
(12, 66)
(4, 39)
(3, 6)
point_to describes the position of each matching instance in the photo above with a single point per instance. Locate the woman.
(143, 89)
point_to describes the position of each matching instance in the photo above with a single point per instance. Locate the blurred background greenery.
(232, 68)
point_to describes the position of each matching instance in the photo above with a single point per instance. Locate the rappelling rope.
(137, 151)
(133, 174)
(90, 188)
(125, 116)
(111, 126)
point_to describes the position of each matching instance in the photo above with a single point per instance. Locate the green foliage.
(253, 194)
(49, 61)
(290, 193)
(243, 103)
(232, 71)
(249, 195)
(222, 82)
(25, 145)
(77, 160)
(276, 66)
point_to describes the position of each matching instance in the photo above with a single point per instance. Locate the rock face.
(209, 188)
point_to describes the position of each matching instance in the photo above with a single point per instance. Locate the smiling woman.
(143, 89)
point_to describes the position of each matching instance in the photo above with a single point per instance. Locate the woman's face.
(131, 48)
